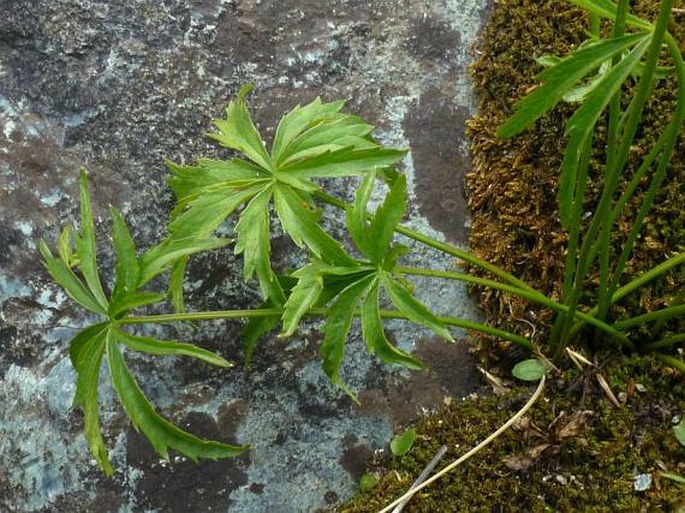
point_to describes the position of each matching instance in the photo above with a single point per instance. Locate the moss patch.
(595, 469)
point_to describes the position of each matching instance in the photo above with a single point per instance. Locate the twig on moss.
(422, 477)
(408, 495)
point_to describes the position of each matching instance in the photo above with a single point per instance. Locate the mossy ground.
(513, 203)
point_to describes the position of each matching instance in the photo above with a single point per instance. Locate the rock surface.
(119, 86)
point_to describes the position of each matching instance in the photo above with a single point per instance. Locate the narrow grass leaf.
(607, 9)
(415, 311)
(66, 278)
(162, 434)
(150, 345)
(581, 128)
(85, 244)
(237, 132)
(560, 79)
(376, 341)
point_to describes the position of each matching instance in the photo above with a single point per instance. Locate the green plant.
(618, 58)
(318, 141)
(402, 443)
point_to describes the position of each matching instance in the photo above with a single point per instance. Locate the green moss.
(593, 471)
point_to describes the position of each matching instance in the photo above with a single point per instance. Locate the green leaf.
(607, 9)
(303, 296)
(253, 241)
(415, 311)
(187, 181)
(130, 302)
(160, 257)
(162, 434)
(151, 345)
(386, 219)
(581, 128)
(204, 213)
(237, 132)
(530, 370)
(85, 244)
(679, 432)
(64, 247)
(127, 269)
(402, 444)
(673, 477)
(66, 278)
(176, 280)
(302, 225)
(368, 482)
(357, 215)
(300, 119)
(560, 79)
(86, 350)
(376, 341)
(344, 162)
(340, 315)
(337, 132)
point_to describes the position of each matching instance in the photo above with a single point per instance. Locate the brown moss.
(512, 185)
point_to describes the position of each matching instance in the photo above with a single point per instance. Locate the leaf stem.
(534, 296)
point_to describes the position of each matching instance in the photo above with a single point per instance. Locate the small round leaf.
(529, 370)
(401, 444)
(367, 482)
(679, 430)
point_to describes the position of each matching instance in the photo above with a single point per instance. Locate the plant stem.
(560, 332)
(636, 284)
(604, 243)
(274, 312)
(536, 297)
(666, 342)
(668, 312)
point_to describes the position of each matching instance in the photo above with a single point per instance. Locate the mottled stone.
(117, 86)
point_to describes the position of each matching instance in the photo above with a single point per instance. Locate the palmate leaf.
(560, 79)
(311, 141)
(581, 125)
(162, 434)
(87, 348)
(303, 296)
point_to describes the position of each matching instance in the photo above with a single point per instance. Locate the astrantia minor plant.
(338, 284)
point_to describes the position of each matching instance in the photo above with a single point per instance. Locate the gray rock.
(117, 87)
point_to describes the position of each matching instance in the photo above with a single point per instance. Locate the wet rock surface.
(119, 86)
